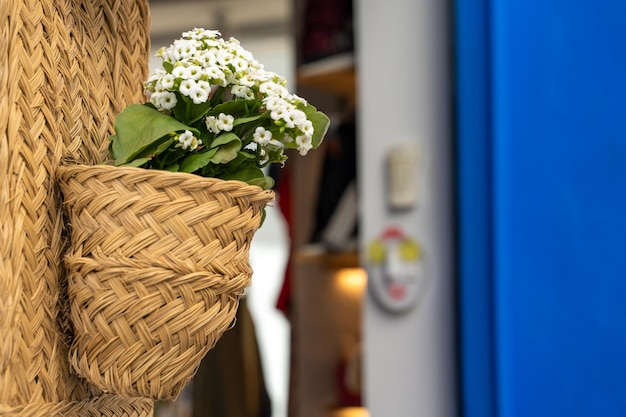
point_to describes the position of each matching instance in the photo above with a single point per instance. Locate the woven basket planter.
(156, 265)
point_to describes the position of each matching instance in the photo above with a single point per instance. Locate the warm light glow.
(352, 281)
(351, 412)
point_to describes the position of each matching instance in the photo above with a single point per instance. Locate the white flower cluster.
(195, 65)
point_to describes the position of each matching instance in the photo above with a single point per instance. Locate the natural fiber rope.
(106, 405)
(66, 68)
(157, 264)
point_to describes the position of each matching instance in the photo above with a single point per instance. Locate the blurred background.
(455, 246)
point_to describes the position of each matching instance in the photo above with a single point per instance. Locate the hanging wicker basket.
(156, 265)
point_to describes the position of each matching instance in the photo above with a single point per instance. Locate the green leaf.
(266, 182)
(163, 146)
(247, 155)
(233, 107)
(224, 138)
(139, 127)
(320, 121)
(198, 111)
(227, 152)
(196, 161)
(169, 157)
(189, 112)
(168, 66)
(243, 120)
(246, 173)
(218, 95)
(172, 168)
(180, 109)
(136, 162)
(151, 152)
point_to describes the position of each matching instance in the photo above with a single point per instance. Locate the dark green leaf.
(168, 66)
(233, 107)
(162, 147)
(218, 95)
(246, 173)
(196, 161)
(180, 109)
(198, 111)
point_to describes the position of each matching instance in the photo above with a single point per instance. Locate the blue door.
(541, 163)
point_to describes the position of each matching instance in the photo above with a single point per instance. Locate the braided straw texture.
(66, 68)
(105, 405)
(157, 263)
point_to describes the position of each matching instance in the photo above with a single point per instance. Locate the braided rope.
(101, 406)
(157, 263)
(66, 68)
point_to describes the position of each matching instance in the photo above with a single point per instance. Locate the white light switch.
(401, 167)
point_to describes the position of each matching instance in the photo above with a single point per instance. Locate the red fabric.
(283, 189)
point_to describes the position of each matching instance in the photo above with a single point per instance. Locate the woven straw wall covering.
(66, 68)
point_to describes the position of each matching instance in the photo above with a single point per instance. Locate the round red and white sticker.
(396, 271)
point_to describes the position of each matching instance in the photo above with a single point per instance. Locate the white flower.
(224, 57)
(231, 78)
(205, 86)
(240, 64)
(199, 34)
(186, 86)
(216, 75)
(167, 81)
(198, 95)
(275, 103)
(163, 100)
(247, 56)
(246, 81)
(181, 71)
(169, 54)
(195, 142)
(262, 136)
(307, 128)
(224, 122)
(159, 53)
(278, 113)
(293, 117)
(304, 143)
(204, 58)
(194, 72)
(270, 88)
(211, 124)
(155, 98)
(188, 140)
(184, 48)
(242, 92)
(167, 100)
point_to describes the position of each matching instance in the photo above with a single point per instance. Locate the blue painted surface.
(474, 201)
(556, 129)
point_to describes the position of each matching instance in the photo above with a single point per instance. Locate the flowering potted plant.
(160, 236)
(215, 111)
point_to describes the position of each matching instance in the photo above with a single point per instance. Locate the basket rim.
(66, 169)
